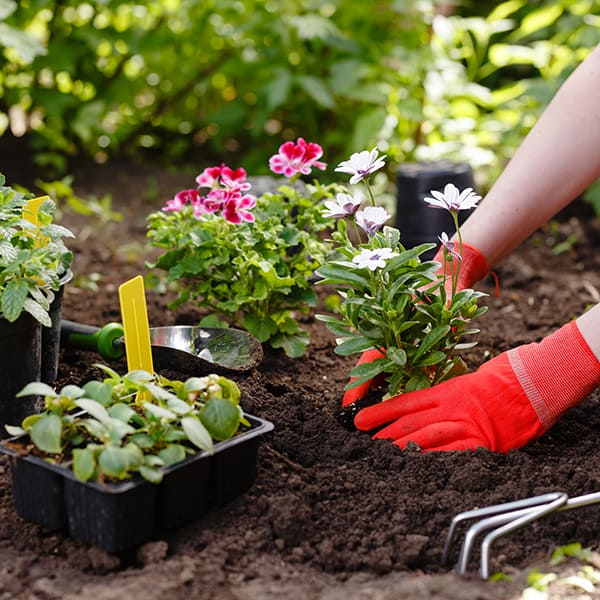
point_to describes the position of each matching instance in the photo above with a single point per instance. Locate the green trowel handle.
(107, 340)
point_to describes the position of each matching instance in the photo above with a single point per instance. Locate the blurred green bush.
(201, 81)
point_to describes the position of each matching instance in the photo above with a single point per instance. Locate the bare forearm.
(555, 163)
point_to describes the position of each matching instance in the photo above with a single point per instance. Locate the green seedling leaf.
(115, 461)
(46, 434)
(14, 430)
(197, 433)
(172, 454)
(95, 409)
(84, 464)
(121, 412)
(396, 355)
(99, 391)
(37, 388)
(159, 412)
(220, 417)
(151, 474)
(179, 407)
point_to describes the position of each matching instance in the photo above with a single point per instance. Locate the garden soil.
(332, 514)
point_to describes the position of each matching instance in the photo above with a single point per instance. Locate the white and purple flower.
(449, 245)
(373, 259)
(361, 164)
(371, 219)
(344, 205)
(453, 200)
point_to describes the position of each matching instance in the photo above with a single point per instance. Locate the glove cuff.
(473, 266)
(557, 373)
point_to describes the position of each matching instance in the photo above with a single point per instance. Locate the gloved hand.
(510, 400)
(473, 267)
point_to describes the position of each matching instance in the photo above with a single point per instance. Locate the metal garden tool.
(187, 348)
(506, 518)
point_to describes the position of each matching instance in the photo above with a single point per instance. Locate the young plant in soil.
(33, 257)
(248, 260)
(391, 301)
(136, 423)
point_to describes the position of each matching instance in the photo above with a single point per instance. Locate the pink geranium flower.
(297, 158)
(223, 175)
(181, 199)
(236, 208)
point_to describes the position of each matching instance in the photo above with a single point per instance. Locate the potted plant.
(248, 260)
(34, 265)
(392, 301)
(122, 459)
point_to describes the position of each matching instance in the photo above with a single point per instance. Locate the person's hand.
(510, 400)
(473, 267)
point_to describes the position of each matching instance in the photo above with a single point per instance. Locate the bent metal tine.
(496, 509)
(506, 518)
(530, 515)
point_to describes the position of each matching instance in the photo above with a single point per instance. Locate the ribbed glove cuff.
(557, 373)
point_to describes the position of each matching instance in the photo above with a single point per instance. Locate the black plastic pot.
(20, 356)
(119, 516)
(51, 335)
(417, 221)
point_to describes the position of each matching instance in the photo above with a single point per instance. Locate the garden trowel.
(187, 348)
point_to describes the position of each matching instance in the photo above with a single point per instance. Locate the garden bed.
(332, 514)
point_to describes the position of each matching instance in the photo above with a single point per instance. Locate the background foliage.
(198, 81)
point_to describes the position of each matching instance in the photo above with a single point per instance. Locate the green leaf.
(417, 382)
(159, 412)
(84, 463)
(436, 335)
(351, 345)
(396, 355)
(115, 462)
(197, 433)
(293, 345)
(262, 328)
(13, 299)
(37, 388)
(316, 89)
(151, 474)
(172, 454)
(220, 417)
(432, 358)
(46, 434)
(366, 372)
(338, 274)
(95, 409)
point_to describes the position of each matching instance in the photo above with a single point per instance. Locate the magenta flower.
(212, 202)
(236, 208)
(181, 199)
(295, 158)
(223, 175)
(453, 200)
(371, 219)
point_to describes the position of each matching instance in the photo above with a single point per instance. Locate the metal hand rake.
(505, 518)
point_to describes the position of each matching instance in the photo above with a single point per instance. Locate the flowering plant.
(246, 259)
(408, 309)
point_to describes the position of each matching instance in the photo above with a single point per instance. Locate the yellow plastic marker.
(31, 212)
(134, 315)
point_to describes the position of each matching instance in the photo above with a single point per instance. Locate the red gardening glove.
(473, 268)
(510, 400)
(361, 390)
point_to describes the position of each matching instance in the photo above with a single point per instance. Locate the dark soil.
(332, 514)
